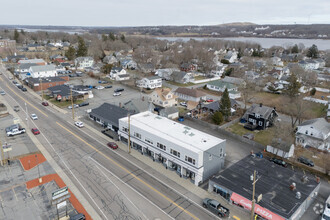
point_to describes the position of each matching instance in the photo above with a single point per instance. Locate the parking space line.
(14, 193)
(131, 174)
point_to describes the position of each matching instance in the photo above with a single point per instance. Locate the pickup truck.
(15, 130)
(215, 207)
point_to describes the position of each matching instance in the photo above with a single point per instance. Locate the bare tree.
(296, 108)
(247, 91)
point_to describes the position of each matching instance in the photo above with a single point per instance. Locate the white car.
(99, 87)
(34, 117)
(117, 94)
(79, 124)
(2, 93)
(183, 104)
(74, 106)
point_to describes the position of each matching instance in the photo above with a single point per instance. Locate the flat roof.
(184, 136)
(274, 184)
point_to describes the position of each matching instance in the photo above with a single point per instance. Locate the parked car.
(326, 212)
(183, 104)
(279, 162)
(45, 103)
(35, 131)
(24, 89)
(215, 207)
(79, 124)
(306, 161)
(119, 90)
(34, 116)
(83, 104)
(249, 136)
(20, 86)
(209, 100)
(99, 87)
(2, 92)
(103, 82)
(79, 216)
(74, 106)
(16, 108)
(112, 145)
(117, 94)
(108, 87)
(181, 118)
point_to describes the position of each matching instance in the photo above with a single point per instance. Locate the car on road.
(45, 103)
(112, 145)
(20, 86)
(35, 131)
(79, 124)
(117, 94)
(326, 212)
(2, 92)
(209, 100)
(83, 104)
(24, 89)
(99, 87)
(79, 216)
(74, 106)
(278, 161)
(16, 108)
(34, 116)
(183, 104)
(215, 207)
(306, 161)
(119, 90)
(108, 87)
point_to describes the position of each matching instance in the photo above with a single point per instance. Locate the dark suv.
(279, 162)
(306, 161)
(119, 90)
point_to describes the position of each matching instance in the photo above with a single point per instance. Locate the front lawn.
(263, 137)
(64, 104)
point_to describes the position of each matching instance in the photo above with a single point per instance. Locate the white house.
(190, 94)
(83, 62)
(33, 61)
(191, 153)
(150, 82)
(118, 74)
(110, 59)
(221, 86)
(42, 71)
(276, 61)
(165, 73)
(163, 97)
(314, 133)
(231, 56)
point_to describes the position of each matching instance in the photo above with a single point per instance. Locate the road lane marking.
(27, 102)
(131, 174)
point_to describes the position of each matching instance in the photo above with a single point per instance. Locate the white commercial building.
(193, 154)
(42, 71)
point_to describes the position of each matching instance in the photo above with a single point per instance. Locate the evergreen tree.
(70, 53)
(225, 104)
(293, 87)
(22, 32)
(106, 68)
(112, 36)
(104, 37)
(217, 118)
(82, 48)
(122, 38)
(295, 49)
(313, 52)
(16, 35)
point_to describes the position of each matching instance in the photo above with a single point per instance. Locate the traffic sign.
(60, 193)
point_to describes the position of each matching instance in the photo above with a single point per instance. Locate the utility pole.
(2, 155)
(42, 91)
(72, 104)
(253, 200)
(129, 133)
(27, 115)
(40, 179)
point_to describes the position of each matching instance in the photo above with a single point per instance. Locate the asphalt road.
(114, 186)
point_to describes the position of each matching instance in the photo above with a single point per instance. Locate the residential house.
(215, 106)
(146, 67)
(276, 73)
(190, 94)
(231, 56)
(163, 97)
(321, 62)
(169, 112)
(7, 43)
(34, 61)
(182, 77)
(42, 71)
(83, 62)
(276, 61)
(323, 77)
(108, 115)
(110, 59)
(129, 64)
(221, 86)
(118, 74)
(150, 82)
(58, 58)
(311, 64)
(219, 69)
(166, 73)
(259, 117)
(234, 80)
(293, 57)
(64, 93)
(281, 148)
(38, 84)
(187, 67)
(314, 133)
(138, 105)
(251, 75)
(16, 58)
(22, 71)
(34, 47)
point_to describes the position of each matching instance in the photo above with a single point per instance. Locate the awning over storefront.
(247, 204)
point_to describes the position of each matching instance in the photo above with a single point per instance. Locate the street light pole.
(40, 179)
(72, 104)
(27, 117)
(253, 192)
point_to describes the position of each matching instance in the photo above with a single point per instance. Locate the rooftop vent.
(185, 132)
(192, 134)
(185, 127)
(158, 117)
(298, 195)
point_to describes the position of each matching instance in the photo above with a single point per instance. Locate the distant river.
(264, 42)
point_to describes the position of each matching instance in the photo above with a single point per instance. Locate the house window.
(190, 160)
(149, 141)
(137, 135)
(260, 123)
(221, 152)
(210, 157)
(257, 115)
(161, 146)
(175, 153)
(124, 129)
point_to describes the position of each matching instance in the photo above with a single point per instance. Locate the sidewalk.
(170, 178)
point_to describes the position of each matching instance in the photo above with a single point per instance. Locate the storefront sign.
(247, 204)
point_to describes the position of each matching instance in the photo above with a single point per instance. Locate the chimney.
(260, 104)
(119, 104)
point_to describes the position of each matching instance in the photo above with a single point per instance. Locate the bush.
(224, 61)
(217, 118)
(312, 92)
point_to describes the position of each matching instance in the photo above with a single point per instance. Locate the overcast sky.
(165, 12)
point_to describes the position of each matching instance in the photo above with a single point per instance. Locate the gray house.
(181, 77)
(139, 105)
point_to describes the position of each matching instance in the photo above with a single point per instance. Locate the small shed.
(281, 148)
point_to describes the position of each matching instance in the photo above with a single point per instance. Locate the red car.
(112, 145)
(44, 103)
(209, 100)
(35, 131)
